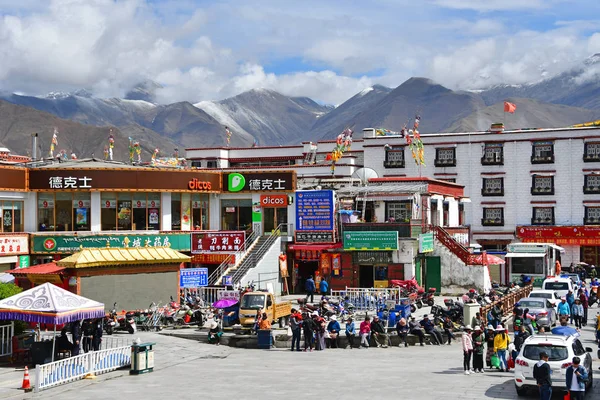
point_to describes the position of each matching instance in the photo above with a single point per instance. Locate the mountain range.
(271, 118)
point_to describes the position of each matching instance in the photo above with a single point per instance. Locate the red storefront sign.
(224, 241)
(14, 245)
(561, 235)
(209, 258)
(273, 200)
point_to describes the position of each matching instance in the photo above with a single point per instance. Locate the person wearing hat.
(350, 331)
(478, 341)
(467, 346)
(490, 333)
(427, 324)
(564, 311)
(415, 329)
(501, 341)
(543, 376)
(578, 313)
(333, 327)
(402, 329)
(378, 332)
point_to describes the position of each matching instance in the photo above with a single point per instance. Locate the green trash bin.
(142, 358)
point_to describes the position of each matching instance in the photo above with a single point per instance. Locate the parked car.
(560, 285)
(549, 295)
(561, 350)
(544, 310)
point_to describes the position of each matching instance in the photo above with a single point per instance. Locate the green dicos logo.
(236, 182)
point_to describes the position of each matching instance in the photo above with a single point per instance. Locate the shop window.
(11, 216)
(63, 211)
(176, 211)
(492, 187)
(236, 215)
(394, 157)
(146, 211)
(542, 153)
(493, 216)
(493, 154)
(200, 211)
(543, 216)
(398, 211)
(124, 204)
(108, 211)
(592, 216)
(445, 157)
(542, 185)
(591, 184)
(591, 152)
(381, 273)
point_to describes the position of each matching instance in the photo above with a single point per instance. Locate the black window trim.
(588, 189)
(485, 222)
(438, 162)
(533, 220)
(586, 156)
(395, 164)
(535, 160)
(534, 193)
(484, 161)
(586, 218)
(489, 194)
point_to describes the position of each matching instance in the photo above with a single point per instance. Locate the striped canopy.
(49, 304)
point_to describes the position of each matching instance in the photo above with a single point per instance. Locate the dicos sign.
(195, 184)
(274, 200)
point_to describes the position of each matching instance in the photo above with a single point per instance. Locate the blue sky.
(209, 50)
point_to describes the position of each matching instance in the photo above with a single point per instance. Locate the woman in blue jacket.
(576, 378)
(350, 331)
(333, 327)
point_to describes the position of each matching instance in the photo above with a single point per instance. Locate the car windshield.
(253, 301)
(531, 304)
(556, 286)
(541, 295)
(555, 353)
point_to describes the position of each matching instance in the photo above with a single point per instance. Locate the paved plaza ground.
(186, 369)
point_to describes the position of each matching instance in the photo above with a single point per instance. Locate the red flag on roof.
(510, 107)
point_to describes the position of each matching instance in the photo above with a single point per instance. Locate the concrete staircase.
(267, 245)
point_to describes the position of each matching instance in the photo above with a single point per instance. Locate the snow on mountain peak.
(365, 91)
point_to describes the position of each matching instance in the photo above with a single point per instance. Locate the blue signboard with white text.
(193, 277)
(314, 210)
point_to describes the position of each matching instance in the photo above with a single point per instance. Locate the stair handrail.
(260, 252)
(226, 264)
(454, 246)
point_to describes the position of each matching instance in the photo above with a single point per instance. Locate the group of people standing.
(474, 340)
(86, 334)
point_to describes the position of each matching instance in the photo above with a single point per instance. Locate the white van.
(559, 285)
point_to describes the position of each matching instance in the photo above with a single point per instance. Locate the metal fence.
(75, 368)
(368, 299)
(6, 334)
(506, 302)
(208, 294)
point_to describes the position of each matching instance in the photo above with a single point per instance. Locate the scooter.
(111, 321)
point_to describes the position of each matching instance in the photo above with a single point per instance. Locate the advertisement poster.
(314, 210)
(211, 241)
(153, 216)
(81, 216)
(186, 212)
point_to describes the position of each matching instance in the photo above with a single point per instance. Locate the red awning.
(47, 269)
(491, 260)
(314, 247)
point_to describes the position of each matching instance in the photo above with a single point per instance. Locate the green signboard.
(426, 242)
(24, 261)
(371, 240)
(56, 244)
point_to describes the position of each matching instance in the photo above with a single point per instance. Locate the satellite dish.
(364, 174)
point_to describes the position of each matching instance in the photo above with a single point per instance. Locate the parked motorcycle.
(452, 309)
(111, 321)
(430, 297)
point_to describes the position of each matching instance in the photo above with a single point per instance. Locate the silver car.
(543, 309)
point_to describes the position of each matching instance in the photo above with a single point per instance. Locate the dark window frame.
(496, 222)
(586, 218)
(487, 193)
(444, 163)
(587, 189)
(538, 222)
(587, 157)
(394, 164)
(496, 160)
(543, 159)
(535, 192)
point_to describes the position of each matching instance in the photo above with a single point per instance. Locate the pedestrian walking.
(576, 378)
(76, 334)
(323, 287)
(490, 334)
(97, 335)
(365, 332)
(478, 344)
(403, 330)
(350, 332)
(467, 346)
(448, 329)
(578, 313)
(295, 326)
(520, 336)
(308, 326)
(427, 324)
(415, 329)
(570, 301)
(564, 310)
(501, 341)
(333, 327)
(310, 287)
(543, 376)
(584, 302)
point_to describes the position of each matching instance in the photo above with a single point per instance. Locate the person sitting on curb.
(350, 332)
(365, 332)
(436, 337)
(265, 325)
(415, 329)
(333, 327)
(403, 330)
(378, 332)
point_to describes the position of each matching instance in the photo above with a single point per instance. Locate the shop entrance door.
(366, 276)
(433, 273)
(272, 217)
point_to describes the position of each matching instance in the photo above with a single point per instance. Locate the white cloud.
(492, 5)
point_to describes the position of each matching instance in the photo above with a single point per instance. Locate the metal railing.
(75, 368)
(368, 299)
(6, 334)
(507, 302)
(455, 247)
(254, 256)
(233, 259)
